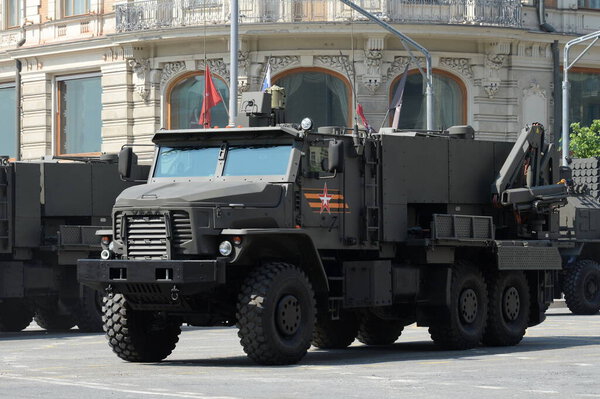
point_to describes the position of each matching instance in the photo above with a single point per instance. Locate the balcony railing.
(159, 14)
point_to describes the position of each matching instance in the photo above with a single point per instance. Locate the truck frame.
(301, 237)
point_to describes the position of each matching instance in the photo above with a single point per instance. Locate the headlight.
(306, 124)
(225, 248)
(105, 254)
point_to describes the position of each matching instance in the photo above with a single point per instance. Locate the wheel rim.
(592, 288)
(511, 305)
(468, 306)
(289, 315)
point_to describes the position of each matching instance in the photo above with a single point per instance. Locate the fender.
(293, 244)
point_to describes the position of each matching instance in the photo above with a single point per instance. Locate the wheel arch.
(293, 247)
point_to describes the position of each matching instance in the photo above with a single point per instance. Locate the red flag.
(211, 98)
(361, 113)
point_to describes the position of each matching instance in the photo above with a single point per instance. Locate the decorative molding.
(534, 89)
(216, 65)
(114, 54)
(400, 63)
(33, 64)
(461, 65)
(243, 61)
(278, 63)
(491, 88)
(171, 69)
(372, 77)
(338, 62)
(141, 70)
(494, 61)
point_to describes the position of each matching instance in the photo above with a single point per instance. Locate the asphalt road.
(558, 359)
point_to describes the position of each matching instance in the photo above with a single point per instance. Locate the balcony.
(160, 14)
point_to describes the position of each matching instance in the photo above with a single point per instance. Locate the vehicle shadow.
(43, 334)
(400, 351)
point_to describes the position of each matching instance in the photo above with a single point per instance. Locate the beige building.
(96, 74)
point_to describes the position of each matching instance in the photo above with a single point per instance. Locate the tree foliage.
(585, 141)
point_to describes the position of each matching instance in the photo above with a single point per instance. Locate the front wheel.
(50, 318)
(89, 312)
(15, 315)
(138, 336)
(276, 314)
(461, 326)
(582, 287)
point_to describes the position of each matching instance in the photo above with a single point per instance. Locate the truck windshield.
(251, 160)
(186, 162)
(257, 160)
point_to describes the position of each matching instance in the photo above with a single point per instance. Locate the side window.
(316, 157)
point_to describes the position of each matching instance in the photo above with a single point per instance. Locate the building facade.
(96, 74)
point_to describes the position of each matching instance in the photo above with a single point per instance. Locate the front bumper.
(151, 278)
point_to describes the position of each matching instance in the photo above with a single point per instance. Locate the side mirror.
(336, 156)
(127, 160)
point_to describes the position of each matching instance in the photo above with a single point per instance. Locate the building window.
(594, 4)
(79, 114)
(184, 102)
(584, 101)
(8, 114)
(14, 12)
(319, 94)
(449, 101)
(75, 7)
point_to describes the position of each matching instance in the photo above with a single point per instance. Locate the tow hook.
(174, 294)
(109, 291)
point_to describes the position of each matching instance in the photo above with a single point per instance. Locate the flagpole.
(233, 72)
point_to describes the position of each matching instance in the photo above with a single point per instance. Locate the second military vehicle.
(301, 237)
(49, 213)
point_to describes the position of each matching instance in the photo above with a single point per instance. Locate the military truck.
(300, 236)
(49, 213)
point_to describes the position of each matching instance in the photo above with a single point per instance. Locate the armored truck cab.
(302, 237)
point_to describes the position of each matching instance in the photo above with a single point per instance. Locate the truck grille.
(146, 237)
(182, 230)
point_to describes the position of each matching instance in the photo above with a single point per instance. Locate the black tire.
(276, 314)
(89, 312)
(138, 336)
(15, 315)
(373, 330)
(334, 334)
(50, 318)
(582, 287)
(461, 326)
(508, 309)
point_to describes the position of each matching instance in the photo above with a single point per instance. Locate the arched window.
(319, 94)
(449, 101)
(184, 101)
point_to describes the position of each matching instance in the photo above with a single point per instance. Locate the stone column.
(36, 117)
(117, 106)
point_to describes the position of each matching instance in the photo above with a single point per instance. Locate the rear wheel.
(52, 319)
(373, 330)
(463, 323)
(89, 312)
(509, 304)
(582, 287)
(138, 336)
(334, 334)
(15, 315)
(276, 314)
